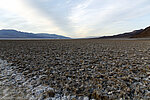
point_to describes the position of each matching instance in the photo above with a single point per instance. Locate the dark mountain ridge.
(18, 34)
(142, 33)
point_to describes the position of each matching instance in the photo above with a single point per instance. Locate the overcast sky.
(75, 18)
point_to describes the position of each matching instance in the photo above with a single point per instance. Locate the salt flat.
(80, 69)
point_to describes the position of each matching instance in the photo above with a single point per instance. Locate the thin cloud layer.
(75, 18)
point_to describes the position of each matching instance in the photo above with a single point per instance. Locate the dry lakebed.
(78, 69)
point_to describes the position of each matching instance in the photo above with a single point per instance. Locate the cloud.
(55, 10)
(99, 17)
(75, 18)
(24, 17)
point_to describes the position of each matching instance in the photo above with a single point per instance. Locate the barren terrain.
(76, 69)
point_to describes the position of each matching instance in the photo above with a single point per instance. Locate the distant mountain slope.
(17, 34)
(125, 35)
(142, 33)
(54, 36)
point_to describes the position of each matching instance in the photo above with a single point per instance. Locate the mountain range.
(18, 34)
(142, 33)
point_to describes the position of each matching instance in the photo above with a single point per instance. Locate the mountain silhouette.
(18, 34)
(142, 33)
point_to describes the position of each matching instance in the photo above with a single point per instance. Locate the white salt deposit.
(14, 85)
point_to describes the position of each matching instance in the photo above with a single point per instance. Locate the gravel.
(75, 69)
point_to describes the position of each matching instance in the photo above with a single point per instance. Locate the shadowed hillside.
(142, 33)
(125, 35)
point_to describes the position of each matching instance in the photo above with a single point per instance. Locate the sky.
(75, 18)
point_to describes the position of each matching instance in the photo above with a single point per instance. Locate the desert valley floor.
(75, 69)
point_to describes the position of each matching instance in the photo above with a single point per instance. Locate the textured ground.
(80, 69)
